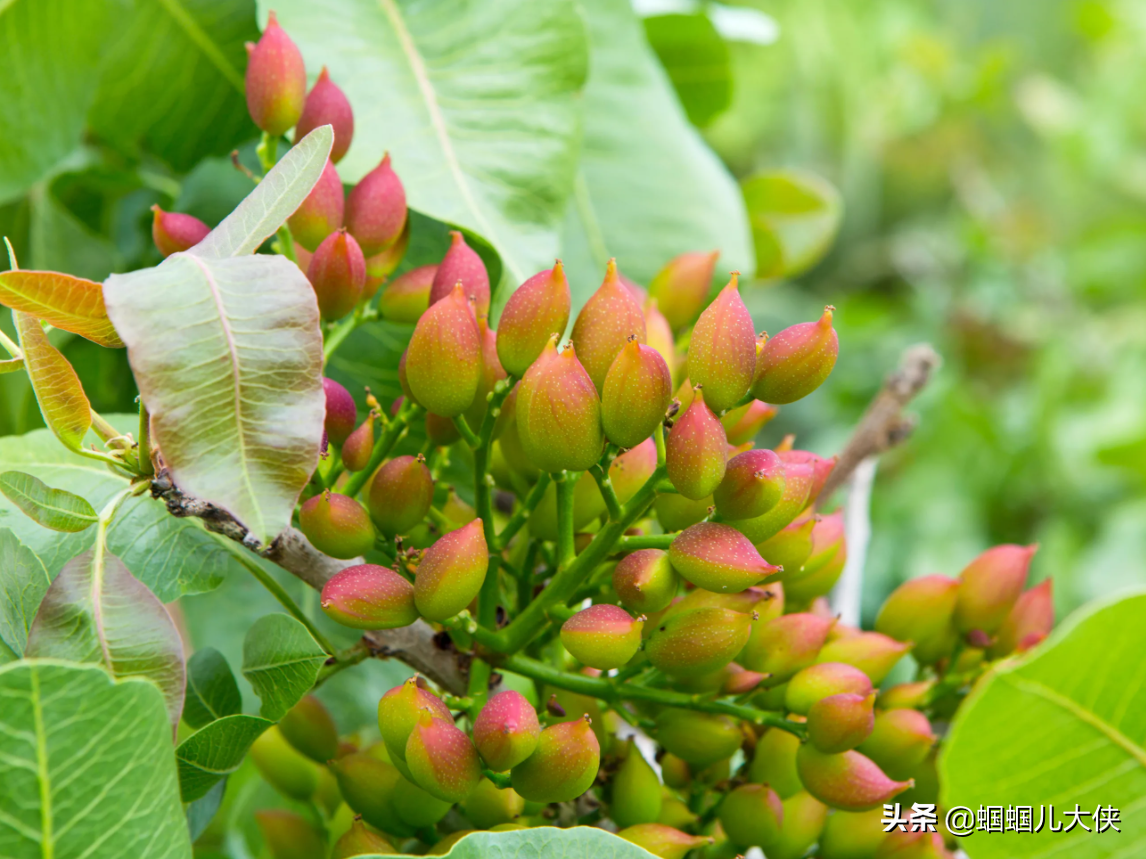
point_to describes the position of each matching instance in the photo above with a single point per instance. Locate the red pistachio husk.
(275, 80)
(752, 815)
(562, 767)
(321, 212)
(382, 265)
(442, 759)
(645, 580)
(839, 723)
(558, 413)
(376, 209)
(491, 373)
(718, 558)
(820, 681)
(326, 104)
(899, 742)
(873, 653)
(821, 468)
(506, 730)
(341, 413)
(609, 318)
(337, 271)
(698, 641)
(796, 361)
(849, 781)
(537, 310)
(753, 484)
(722, 349)
(359, 445)
(407, 296)
(336, 525)
(663, 841)
(368, 596)
(461, 264)
(990, 586)
(602, 636)
(659, 334)
(451, 572)
(785, 645)
(399, 711)
(400, 494)
(443, 360)
(790, 548)
(1029, 622)
(173, 232)
(695, 451)
(632, 468)
(921, 611)
(743, 423)
(681, 287)
(797, 485)
(636, 394)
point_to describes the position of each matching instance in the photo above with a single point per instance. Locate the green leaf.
(696, 59)
(212, 692)
(202, 811)
(53, 508)
(71, 303)
(48, 73)
(477, 103)
(281, 660)
(649, 188)
(171, 556)
(544, 842)
(59, 241)
(23, 583)
(85, 766)
(172, 83)
(795, 217)
(62, 400)
(97, 611)
(274, 199)
(1065, 725)
(215, 752)
(228, 357)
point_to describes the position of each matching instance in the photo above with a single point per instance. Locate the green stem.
(267, 150)
(609, 691)
(11, 347)
(343, 329)
(286, 243)
(519, 518)
(342, 660)
(483, 497)
(525, 579)
(487, 617)
(650, 541)
(607, 492)
(145, 466)
(659, 440)
(382, 447)
(102, 428)
(566, 486)
(468, 435)
(500, 780)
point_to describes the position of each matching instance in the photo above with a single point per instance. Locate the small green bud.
(636, 394)
(602, 636)
(796, 361)
(368, 596)
(871, 652)
(852, 834)
(562, 767)
(321, 212)
(820, 681)
(275, 80)
(489, 806)
(288, 835)
(407, 296)
(368, 786)
(698, 641)
(336, 525)
(398, 712)
(774, 762)
(174, 232)
(681, 288)
(537, 309)
(451, 572)
(848, 781)
(753, 484)
(357, 448)
(698, 739)
(558, 413)
(797, 485)
(636, 791)
(722, 349)
(609, 318)
(675, 512)
(921, 611)
(899, 742)
(376, 209)
(743, 423)
(442, 759)
(326, 104)
(752, 815)
(841, 722)
(286, 769)
(990, 586)
(360, 841)
(695, 451)
(309, 727)
(506, 731)
(337, 271)
(663, 841)
(443, 360)
(786, 645)
(461, 264)
(1029, 622)
(718, 558)
(400, 494)
(645, 580)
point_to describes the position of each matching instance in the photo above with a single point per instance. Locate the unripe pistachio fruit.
(367, 596)
(286, 769)
(385, 263)
(906, 695)
(871, 652)
(407, 296)
(990, 586)
(1029, 622)
(742, 424)
(852, 834)
(336, 525)
(558, 413)
(675, 512)
(602, 636)
(718, 558)
(416, 807)
(275, 80)
(699, 739)
(804, 818)
(841, 722)
(489, 806)
(357, 448)
(400, 494)
(796, 361)
(696, 450)
(173, 232)
(636, 791)
(609, 318)
(663, 841)
(790, 549)
(506, 731)
(399, 711)
(337, 271)
(848, 781)
(326, 104)
(900, 741)
(645, 580)
(752, 815)
(820, 681)
(309, 727)
(537, 309)
(461, 264)
(821, 468)
(451, 572)
(722, 349)
(288, 835)
(320, 214)
(774, 762)
(368, 785)
(786, 645)
(360, 841)
(341, 413)
(753, 484)
(636, 394)
(562, 767)
(921, 611)
(797, 485)
(442, 759)
(681, 287)
(698, 641)
(443, 360)
(376, 209)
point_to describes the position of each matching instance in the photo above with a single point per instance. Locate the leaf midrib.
(47, 845)
(86, 517)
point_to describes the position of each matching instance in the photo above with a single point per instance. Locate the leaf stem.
(344, 328)
(146, 469)
(519, 518)
(566, 486)
(468, 435)
(605, 484)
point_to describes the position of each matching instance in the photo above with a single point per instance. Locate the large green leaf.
(212, 692)
(696, 59)
(23, 583)
(85, 766)
(648, 188)
(172, 82)
(546, 842)
(97, 611)
(56, 509)
(1065, 725)
(477, 103)
(49, 68)
(171, 556)
(281, 660)
(215, 752)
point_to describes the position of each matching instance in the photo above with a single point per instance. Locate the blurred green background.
(991, 159)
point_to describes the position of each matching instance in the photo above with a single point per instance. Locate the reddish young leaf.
(71, 303)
